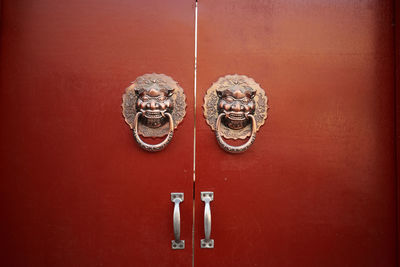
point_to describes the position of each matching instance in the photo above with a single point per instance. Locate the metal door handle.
(177, 243)
(207, 197)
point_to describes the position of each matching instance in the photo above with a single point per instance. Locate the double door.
(317, 187)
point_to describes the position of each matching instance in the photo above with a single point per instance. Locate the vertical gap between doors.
(194, 128)
(396, 40)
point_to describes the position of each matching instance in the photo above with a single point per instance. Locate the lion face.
(236, 102)
(153, 101)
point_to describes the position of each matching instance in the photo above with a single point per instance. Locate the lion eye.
(229, 99)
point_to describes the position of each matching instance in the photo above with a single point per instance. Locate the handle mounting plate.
(207, 243)
(178, 245)
(205, 195)
(176, 196)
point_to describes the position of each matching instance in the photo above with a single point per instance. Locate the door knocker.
(153, 106)
(235, 107)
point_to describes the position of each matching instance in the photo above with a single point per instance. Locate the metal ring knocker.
(236, 149)
(235, 107)
(159, 146)
(153, 106)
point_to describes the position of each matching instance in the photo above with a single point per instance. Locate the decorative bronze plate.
(153, 106)
(237, 106)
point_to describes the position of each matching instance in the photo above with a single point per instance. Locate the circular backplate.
(211, 100)
(130, 97)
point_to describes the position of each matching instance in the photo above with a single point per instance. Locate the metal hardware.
(235, 107)
(153, 106)
(156, 147)
(207, 197)
(177, 243)
(236, 149)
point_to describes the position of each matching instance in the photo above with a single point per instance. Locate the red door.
(318, 186)
(76, 190)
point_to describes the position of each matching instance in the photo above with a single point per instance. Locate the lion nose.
(236, 106)
(153, 105)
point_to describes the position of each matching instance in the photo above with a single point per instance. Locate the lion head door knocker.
(235, 107)
(153, 106)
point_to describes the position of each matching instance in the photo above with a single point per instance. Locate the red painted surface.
(397, 91)
(76, 190)
(317, 188)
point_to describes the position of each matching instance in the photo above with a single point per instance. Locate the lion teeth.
(152, 114)
(236, 116)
